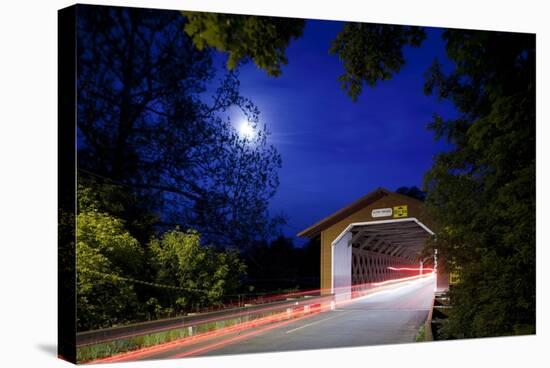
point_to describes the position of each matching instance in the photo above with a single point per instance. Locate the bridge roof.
(353, 208)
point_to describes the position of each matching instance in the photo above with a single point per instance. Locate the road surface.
(387, 317)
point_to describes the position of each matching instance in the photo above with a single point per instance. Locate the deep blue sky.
(335, 150)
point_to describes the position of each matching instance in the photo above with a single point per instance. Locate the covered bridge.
(377, 238)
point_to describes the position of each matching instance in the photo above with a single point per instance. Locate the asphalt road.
(387, 317)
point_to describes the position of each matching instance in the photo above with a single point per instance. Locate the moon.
(246, 131)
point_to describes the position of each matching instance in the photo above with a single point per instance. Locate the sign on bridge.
(382, 212)
(400, 211)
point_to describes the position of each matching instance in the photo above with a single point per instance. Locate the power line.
(122, 278)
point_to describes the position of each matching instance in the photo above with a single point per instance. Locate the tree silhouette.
(483, 190)
(148, 128)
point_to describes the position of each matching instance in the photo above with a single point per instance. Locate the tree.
(105, 251)
(121, 281)
(202, 274)
(482, 192)
(147, 128)
(261, 39)
(358, 46)
(264, 40)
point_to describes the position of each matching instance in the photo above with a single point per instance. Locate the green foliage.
(102, 350)
(104, 247)
(483, 190)
(103, 195)
(372, 53)
(261, 39)
(107, 236)
(421, 334)
(206, 274)
(113, 286)
(106, 253)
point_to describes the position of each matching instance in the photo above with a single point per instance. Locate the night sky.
(334, 150)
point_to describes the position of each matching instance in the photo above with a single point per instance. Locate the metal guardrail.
(144, 328)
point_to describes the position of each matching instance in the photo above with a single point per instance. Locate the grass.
(102, 350)
(421, 334)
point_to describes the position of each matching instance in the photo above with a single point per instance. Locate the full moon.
(246, 131)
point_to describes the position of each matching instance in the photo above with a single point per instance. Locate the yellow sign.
(400, 211)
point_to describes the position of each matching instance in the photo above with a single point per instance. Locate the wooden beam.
(400, 235)
(408, 242)
(398, 231)
(385, 249)
(396, 250)
(357, 235)
(378, 245)
(371, 243)
(366, 241)
(402, 252)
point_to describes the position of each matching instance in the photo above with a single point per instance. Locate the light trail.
(410, 269)
(144, 352)
(200, 322)
(236, 314)
(294, 312)
(230, 341)
(404, 283)
(238, 338)
(402, 279)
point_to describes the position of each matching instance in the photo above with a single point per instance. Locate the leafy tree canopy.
(483, 190)
(112, 269)
(262, 39)
(205, 274)
(370, 52)
(104, 248)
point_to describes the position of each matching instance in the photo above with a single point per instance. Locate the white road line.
(312, 323)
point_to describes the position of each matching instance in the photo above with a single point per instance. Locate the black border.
(66, 160)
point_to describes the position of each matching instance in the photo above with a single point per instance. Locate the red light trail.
(410, 269)
(294, 312)
(241, 337)
(276, 325)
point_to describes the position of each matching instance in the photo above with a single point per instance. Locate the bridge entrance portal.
(377, 238)
(371, 252)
